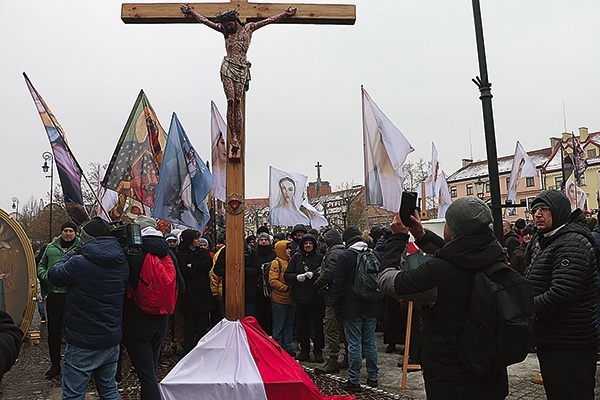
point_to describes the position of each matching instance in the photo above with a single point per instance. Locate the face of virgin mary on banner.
(286, 194)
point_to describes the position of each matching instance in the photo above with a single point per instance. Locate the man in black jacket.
(562, 272)
(332, 324)
(470, 246)
(359, 316)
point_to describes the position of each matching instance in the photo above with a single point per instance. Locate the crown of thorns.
(231, 15)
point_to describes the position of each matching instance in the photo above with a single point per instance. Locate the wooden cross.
(144, 13)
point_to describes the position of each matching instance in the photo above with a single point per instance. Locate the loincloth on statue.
(236, 72)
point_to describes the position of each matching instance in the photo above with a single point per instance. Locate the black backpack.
(366, 276)
(499, 328)
(264, 279)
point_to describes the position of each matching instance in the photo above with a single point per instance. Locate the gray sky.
(415, 58)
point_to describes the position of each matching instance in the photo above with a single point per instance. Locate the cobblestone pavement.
(26, 379)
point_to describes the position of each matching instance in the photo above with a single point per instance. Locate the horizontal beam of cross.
(169, 13)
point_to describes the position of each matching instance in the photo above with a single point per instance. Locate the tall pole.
(47, 156)
(485, 89)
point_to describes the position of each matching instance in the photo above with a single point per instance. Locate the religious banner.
(385, 150)
(444, 197)
(577, 196)
(184, 181)
(566, 164)
(317, 220)
(18, 275)
(579, 158)
(522, 167)
(133, 168)
(432, 182)
(286, 194)
(218, 132)
(107, 199)
(69, 171)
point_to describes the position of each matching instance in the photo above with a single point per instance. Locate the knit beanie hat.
(68, 224)
(96, 227)
(350, 234)
(145, 222)
(171, 236)
(188, 236)
(520, 223)
(376, 232)
(204, 240)
(466, 215)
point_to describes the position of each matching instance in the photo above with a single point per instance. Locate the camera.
(129, 236)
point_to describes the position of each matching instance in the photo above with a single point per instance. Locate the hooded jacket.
(324, 281)
(95, 277)
(301, 262)
(562, 271)
(452, 271)
(281, 290)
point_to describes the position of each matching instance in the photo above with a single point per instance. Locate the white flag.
(444, 198)
(108, 198)
(317, 219)
(286, 194)
(522, 167)
(385, 150)
(218, 133)
(432, 180)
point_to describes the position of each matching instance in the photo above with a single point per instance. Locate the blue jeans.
(283, 324)
(80, 364)
(360, 334)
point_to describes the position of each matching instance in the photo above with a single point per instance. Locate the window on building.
(530, 181)
(453, 192)
(469, 190)
(591, 153)
(507, 183)
(487, 187)
(582, 181)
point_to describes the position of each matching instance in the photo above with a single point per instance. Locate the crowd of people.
(299, 287)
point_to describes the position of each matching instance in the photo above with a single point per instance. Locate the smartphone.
(408, 206)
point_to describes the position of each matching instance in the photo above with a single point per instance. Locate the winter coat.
(452, 271)
(136, 322)
(562, 270)
(216, 282)
(52, 254)
(195, 266)
(95, 277)
(511, 242)
(251, 272)
(324, 281)
(347, 305)
(10, 342)
(304, 292)
(281, 291)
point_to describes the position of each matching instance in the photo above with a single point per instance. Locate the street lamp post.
(47, 156)
(344, 208)
(485, 90)
(479, 184)
(15, 206)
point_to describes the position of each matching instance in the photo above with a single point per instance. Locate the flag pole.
(362, 98)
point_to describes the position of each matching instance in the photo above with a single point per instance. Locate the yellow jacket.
(216, 282)
(281, 291)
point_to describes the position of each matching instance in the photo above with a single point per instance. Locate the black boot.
(303, 356)
(53, 371)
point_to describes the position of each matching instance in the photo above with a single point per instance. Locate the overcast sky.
(415, 58)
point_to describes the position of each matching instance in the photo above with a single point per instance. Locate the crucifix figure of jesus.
(235, 68)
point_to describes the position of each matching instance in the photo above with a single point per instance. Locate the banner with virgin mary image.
(286, 195)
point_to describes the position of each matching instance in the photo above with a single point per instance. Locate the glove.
(301, 277)
(309, 275)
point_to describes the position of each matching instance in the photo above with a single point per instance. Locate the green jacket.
(53, 253)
